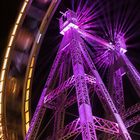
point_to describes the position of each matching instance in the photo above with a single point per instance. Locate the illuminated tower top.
(68, 20)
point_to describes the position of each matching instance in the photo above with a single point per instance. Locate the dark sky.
(8, 13)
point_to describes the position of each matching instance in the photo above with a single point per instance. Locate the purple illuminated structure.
(112, 99)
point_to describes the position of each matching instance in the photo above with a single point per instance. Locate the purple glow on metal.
(70, 25)
(120, 43)
(122, 50)
(67, 21)
(78, 25)
(88, 15)
(95, 38)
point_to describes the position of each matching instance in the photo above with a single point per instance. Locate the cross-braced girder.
(74, 128)
(134, 120)
(51, 96)
(132, 110)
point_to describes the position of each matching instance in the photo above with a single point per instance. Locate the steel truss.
(86, 124)
(74, 128)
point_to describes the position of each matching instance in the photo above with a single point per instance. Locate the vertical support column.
(115, 88)
(118, 92)
(58, 122)
(60, 111)
(110, 79)
(84, 106)
(110, 87)
(102, 89)
(132, 73)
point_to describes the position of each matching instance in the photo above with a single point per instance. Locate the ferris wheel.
(68, 72)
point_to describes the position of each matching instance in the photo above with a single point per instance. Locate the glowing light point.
(111, 46)
(122, 50)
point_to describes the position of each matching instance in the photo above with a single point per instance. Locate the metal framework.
(86, 123)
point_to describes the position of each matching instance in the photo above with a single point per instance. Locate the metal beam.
(74, 128)
(131, 110)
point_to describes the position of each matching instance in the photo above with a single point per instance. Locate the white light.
(19, 18)
(11, 41)
(5, 63)
(122, 50)
(24, 6)
(123, 73)
(111, 46)
(39, 37)
(7, 52)
(65, 47)
(70, 25)
(2, 75)
(14, 30)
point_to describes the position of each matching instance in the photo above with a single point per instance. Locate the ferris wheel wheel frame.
(27, 82)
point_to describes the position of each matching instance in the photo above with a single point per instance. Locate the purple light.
(70, 25)
(67, 21)
(120, 43)
(106, 53)
(122, 50)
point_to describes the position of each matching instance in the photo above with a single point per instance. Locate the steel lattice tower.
(112, 97)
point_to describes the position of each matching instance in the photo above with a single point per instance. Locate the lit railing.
(27, 95)
(5, 63)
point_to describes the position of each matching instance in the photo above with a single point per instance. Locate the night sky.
(8, 13)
